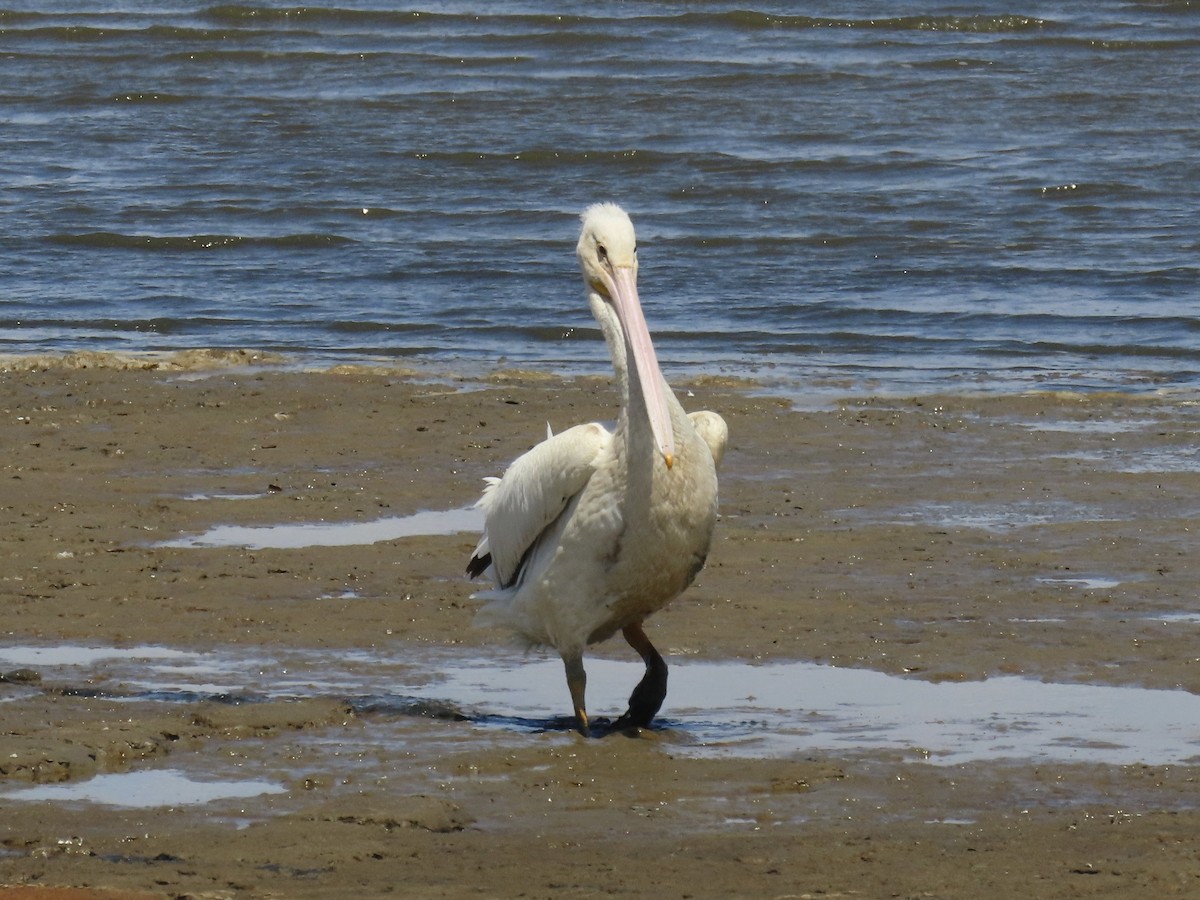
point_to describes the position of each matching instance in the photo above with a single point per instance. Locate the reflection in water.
(995, 516)
(76, 655)
(334, 534)
(1087, 582)
(143, 790)
(721, 708)
(1178, 618)
(784, 708)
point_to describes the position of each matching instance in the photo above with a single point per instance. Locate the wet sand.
(941, 540)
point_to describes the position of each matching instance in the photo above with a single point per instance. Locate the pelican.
(593, 530)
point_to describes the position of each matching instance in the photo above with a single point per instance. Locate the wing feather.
(533, 493)
(713, 430)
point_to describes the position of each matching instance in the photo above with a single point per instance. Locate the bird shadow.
(385, 706)
(445, 710)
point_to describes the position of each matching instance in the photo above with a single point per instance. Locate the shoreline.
(943, 539)
(807, 391)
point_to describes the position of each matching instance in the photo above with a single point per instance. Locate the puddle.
(1166, 460)
(334, 534)
(1144, 461)
(1086, 426)
(194, 497)
(1178, 618)
(998, 517)
(784, 708)
(1087, 582)
(145, 790)
(714, 709)
(75, 655)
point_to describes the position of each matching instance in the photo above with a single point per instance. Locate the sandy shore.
(936, 539)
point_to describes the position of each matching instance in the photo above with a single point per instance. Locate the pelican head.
(607, 253)
(606, 242)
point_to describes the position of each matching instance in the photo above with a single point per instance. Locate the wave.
(238, 13)
(150, 97)
(159, 325)
(1117, 45)
(362, 326)
(711, 162)
(973, 24)
(94, 34)
(997, 23)
(535, 155)
(108, 240)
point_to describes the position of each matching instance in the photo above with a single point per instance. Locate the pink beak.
(623, 290)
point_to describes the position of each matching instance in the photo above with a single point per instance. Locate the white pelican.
(591, 531)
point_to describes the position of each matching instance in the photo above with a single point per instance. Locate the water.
(775, 710)
(335, 534)
(78, 655)
(145, 790)
(880, 196)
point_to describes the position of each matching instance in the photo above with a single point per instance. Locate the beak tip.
(670, 459)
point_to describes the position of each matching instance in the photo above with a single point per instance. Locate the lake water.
(882, 196)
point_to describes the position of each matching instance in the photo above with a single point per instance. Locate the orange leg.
(577, 684)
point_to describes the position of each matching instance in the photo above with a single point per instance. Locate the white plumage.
(591, 531)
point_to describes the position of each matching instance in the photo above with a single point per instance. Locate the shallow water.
(1179, 618)
(986, 516)
(1087, 582)
(725, 708)
(145, 789)
(780, 709)
(892, 197)
(78, 655)
(334, 534)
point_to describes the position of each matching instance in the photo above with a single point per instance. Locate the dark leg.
(648, 696)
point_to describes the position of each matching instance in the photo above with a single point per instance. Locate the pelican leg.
(577, 684)
(650, 692)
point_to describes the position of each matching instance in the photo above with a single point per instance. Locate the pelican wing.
(713, 430)
(533, 493)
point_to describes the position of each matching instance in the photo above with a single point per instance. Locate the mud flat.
(944, 647)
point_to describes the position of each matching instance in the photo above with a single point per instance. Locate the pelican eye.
(602, 252)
